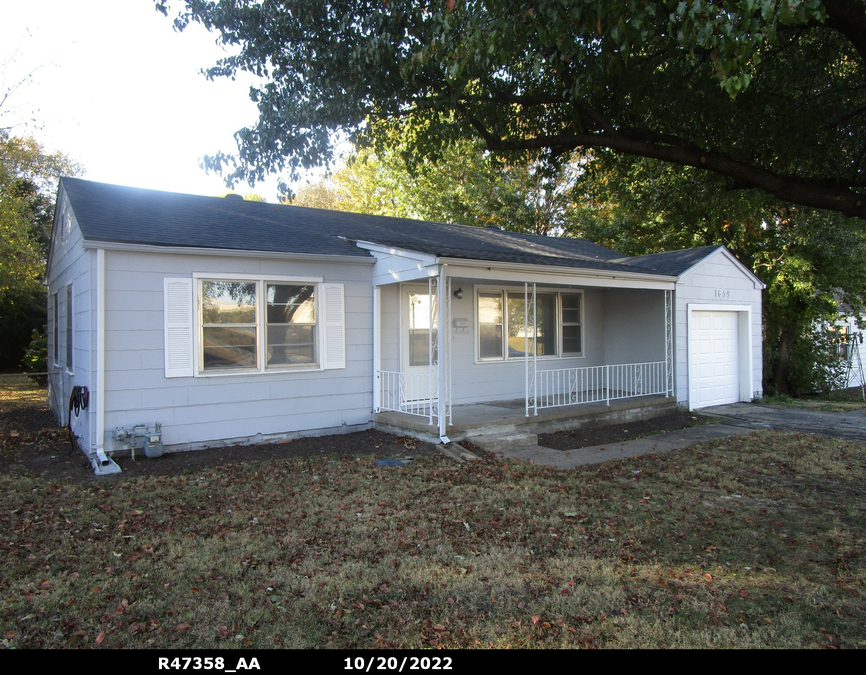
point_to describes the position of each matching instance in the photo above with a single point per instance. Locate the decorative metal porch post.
(432, 347)
(669, 342)
(530, 363)
(443, 334)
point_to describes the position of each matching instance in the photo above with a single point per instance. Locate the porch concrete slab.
(506, 417)
(671, 440)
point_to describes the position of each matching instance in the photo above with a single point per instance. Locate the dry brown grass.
(752, 541)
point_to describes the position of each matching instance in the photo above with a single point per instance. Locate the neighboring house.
(848, 335)
(228, 321)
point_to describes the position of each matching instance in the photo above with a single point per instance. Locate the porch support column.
(669, 342)
(530, 363)
(443, 348)
(377, 348)
(432, 347)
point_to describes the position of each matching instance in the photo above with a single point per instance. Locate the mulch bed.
(47, 454)
(584, 438)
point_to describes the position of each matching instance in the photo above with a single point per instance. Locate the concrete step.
(504, 442)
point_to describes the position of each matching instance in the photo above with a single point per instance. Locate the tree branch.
(818, 193)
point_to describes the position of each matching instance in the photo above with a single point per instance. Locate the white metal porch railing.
(594, 384)
(411, 393)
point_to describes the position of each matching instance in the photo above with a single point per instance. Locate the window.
(55, 328)
(230, 335)
(229, 332)
(245, 324)
(490, 325)
(69, 328)
(291, 329)
(572, 333)
(502, 324)
(422, 310)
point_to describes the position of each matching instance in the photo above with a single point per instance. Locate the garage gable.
(718, 332)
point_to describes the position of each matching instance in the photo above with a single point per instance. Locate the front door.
(419, 331)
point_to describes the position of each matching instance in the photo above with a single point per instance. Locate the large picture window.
(502, 325)
(233, 313)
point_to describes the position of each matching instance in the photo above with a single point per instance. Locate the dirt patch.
(47, 454)
(583, 438)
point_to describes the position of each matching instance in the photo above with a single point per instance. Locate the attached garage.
(718, 308)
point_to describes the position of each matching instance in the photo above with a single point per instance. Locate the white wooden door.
(420, 316)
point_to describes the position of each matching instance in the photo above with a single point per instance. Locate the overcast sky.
(117, 89)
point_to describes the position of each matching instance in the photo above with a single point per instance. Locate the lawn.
(750, 541)
(845, 400)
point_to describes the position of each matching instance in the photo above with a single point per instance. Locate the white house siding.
(717, 281)
(634, 326)
(390, 340)
(226, 409)
(71, 264)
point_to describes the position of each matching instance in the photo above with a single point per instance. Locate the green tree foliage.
(768, 94)
(811, 261)
(28, 178)
(467, 186)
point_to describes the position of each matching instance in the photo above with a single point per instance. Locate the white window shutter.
(178, 328)
(333, 326)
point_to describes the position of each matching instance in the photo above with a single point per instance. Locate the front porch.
(502, 417)
(462, 350)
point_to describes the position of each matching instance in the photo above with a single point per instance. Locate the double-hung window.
(246, 324)
(229, 325)
(291, 325)
(505, 330)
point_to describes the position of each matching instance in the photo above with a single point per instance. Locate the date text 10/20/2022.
(366, 664)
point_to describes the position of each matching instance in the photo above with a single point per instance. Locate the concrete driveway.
(738, 418)
(848, 425)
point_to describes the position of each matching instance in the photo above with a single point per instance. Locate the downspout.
(102, 463)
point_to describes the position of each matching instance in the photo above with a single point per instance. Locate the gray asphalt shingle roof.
(118, 214)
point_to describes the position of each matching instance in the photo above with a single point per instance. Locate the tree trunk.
(783, 361)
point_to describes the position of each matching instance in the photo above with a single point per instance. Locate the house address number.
(722, 293)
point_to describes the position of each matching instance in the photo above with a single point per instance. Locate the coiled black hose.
(78, 400)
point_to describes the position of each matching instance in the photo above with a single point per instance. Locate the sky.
(111, 84)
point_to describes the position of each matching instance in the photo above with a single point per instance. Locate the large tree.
(28, 181)
(467, 186)
(767, 94)
(813, 262)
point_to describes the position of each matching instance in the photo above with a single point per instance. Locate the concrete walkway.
(739, 418)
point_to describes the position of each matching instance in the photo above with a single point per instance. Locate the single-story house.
(196, 321)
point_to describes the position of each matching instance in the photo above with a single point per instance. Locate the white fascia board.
(545, 274)
(419, 273)
(395, 265)
(759, 285)
(423, 258)
(229, 252)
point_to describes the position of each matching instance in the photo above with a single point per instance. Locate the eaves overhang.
(228, 252)
(556, 270)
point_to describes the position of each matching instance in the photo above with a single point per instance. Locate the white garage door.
(714, 359)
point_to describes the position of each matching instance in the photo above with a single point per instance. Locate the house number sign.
(722, 293)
